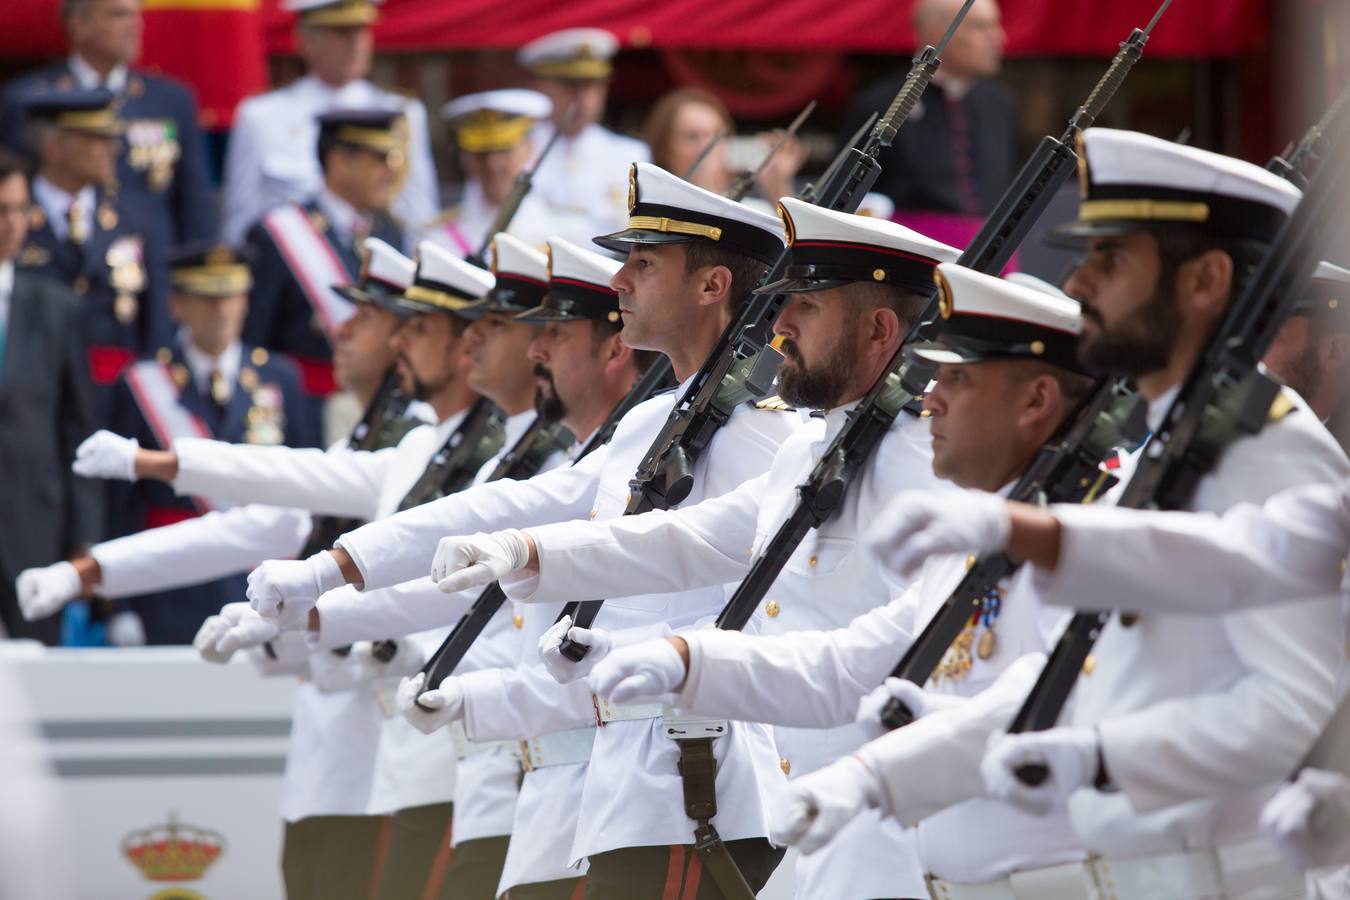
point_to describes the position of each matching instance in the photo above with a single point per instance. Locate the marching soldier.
(1311, 354)
(583, 179)
(206, 384)
(685, 275)
(844, 323)
(492, 137)
(270, 160)
(329, 842)
(162, 185)
(303, 252)
(77, 236)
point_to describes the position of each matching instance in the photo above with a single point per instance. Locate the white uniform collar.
(6, 277)
(201, 364)
(352, 92)
(515, 426)
(340, 214)
(1157, 409)
(89, 78)
(447, 427)
(55, 203)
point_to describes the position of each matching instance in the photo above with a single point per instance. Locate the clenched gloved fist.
(816, 806)
(647, 671)
(919, 524)
(43, 591)
(478, 559)
(443, 705)
(918, 701)
(106, 455)
(563, 670)
(1070, 755)
(286, 590)
(1309, 820)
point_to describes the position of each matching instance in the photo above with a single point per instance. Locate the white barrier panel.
(170, 768)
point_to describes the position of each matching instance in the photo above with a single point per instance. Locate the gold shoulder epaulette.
(775, 403)
(1281, 406)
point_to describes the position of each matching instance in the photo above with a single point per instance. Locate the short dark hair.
(746, 271)
(1073, 386)
(1175, 248)
(906, 304)
(12, 164)
(327, 144)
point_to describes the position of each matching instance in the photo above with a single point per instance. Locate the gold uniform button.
(771, 609)
(1089, 664)
(518, 620)
(627, 498)
(785, 764)
(81, 286)
(594, 511)
(813, 561)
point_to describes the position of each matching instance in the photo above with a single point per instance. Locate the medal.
(107, 217)
(125, 308)
(220, 389)
(987, 644)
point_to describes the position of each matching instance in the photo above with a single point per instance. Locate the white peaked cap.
(985, 317)
(444, 282)
(510, 101)
(1026, 279)
(830, 248)
(567, 260)
(1326, 271)
(387, 265)
(578, 285)
(512, 256)
(1329, 291)
(570, 53)
(666, 209)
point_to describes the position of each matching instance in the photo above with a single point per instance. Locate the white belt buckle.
(693, 728)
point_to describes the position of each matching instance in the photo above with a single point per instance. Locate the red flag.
(214, 45)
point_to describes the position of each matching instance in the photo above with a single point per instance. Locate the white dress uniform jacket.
(273, 153)
(1201, 717)
(584, 179)
(825, 584)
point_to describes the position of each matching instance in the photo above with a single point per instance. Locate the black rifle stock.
(520, 188)
(905, 378)
(742, 364)
(1224, 397)
(450, 653)
(704, 154)
(742, 185)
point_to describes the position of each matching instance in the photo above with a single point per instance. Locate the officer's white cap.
(444, 282)
(572, 53)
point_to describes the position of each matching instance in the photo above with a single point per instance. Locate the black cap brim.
(621, 241)
(801, 285)
(544, 314)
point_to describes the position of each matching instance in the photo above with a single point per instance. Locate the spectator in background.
(76, 236)
(1311, 353)
(271, 159)
(684, 121)
(45, 412)
(163, 190)
(958, 151)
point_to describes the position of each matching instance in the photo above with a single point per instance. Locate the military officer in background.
(206, 384)
(1311, 353)
(492, 136)
(584, 180)
(303, 252)
(162, 186)
(77, 236)
(270, 160)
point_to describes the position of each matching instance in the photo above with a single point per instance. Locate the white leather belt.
(1252, 870)
(692, 728)
(465, 748)
(561, 748)
(1064, 882)
(1245, 871)
(606, 712)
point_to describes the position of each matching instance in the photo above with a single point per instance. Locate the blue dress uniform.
(300, 252)
(162, 182)
(160, 398)
(108, 264)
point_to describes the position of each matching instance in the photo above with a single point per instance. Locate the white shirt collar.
(1157, 409)
(55, 204)
(6, 277)
(340, 213)
(89, 78)
(515, 426)
(447, 427)
(201, 364)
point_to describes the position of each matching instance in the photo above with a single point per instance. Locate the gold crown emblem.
(632, 186)
(173, 851)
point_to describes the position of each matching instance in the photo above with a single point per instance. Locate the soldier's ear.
(1204, 283)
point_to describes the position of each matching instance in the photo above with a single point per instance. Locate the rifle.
(450, 653)
(703, 154)
(809, 192)
(519, 189)
(1224, 397)
(905, 378)
(742, 185)
(1310, 150)
(742, 365)
(1066, 470)
(477, 439)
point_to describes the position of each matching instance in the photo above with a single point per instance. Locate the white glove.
(333, 672)
(563, 670)
(919, 524)
(919, 702)
(1309, 820)
(42, 592)
(125, 629)
(106, 455)
(1070, 754)
(646, 671)
(407, 659)
(816, 806)
(247, 630)
(446, 703)
(479, 559)
(213, 629)
(286, 590)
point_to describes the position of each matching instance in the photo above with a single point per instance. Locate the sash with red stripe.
(156, 395)
(317, 267)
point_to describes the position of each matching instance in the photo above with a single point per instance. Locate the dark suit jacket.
(45, 411)
(161, 115)
(918, 171)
